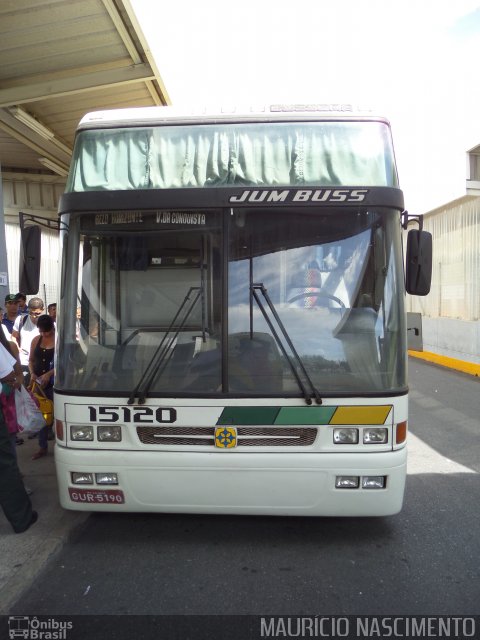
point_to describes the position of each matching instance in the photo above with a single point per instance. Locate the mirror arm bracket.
(406, 218)
(40, 220)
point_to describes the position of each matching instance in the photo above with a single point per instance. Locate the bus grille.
(247, 436)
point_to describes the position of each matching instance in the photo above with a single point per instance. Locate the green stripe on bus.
(275, 415)
(305, 415)
(248, 415)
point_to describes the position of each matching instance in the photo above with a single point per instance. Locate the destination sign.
(146, 220)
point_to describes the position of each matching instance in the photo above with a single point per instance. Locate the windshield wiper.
(164, 351)
(306, 394)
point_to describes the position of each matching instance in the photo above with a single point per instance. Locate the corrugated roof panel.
(27, 46)
(62, 59)
(65, 113)
(17, 155)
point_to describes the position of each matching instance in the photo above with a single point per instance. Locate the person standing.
(52, 310)
(14, 500)
(25, 329)
(7, 394)
(22, 304)
(11, 313)
(41, 369)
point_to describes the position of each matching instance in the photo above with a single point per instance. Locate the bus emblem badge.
(225, 437)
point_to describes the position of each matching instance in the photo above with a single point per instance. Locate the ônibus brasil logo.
(34, 629)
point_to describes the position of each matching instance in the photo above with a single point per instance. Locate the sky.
(415, 62)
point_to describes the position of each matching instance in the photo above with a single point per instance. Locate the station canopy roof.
(59, 60)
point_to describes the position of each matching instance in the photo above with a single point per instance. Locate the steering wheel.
(313, 294)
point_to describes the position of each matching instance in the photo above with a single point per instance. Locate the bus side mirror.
(30, 256)
(419, 262)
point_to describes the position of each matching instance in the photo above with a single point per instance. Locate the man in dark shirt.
(11, 312)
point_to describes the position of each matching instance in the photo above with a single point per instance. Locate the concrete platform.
(22, 556)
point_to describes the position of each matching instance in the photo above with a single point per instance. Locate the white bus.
(232, 334)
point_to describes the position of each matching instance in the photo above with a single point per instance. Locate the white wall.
(453, 338)
(451, 311)
(37, 195)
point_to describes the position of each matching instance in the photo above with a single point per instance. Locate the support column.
(4, 281)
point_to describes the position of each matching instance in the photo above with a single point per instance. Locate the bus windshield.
(248, 301)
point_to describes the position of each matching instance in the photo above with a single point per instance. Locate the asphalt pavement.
(22, 556)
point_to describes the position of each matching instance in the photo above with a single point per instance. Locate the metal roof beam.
(32, 145)
(122, 30)
(159, 97)
(52, 149)
(79, 83)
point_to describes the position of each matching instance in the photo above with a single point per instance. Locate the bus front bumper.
(302, 484)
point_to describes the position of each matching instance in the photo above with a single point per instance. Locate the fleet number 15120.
(149, 415)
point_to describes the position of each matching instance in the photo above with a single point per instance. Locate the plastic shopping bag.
(29, 416)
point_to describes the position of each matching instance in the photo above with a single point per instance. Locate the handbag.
(44, 404)
(29, 416)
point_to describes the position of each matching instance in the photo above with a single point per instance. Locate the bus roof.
(275, 112)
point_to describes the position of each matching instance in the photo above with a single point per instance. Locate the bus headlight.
(109, 433)
(345, 435)
(347, 482)
(374, 482)
(106, 478)
(375, 436)
(79, 432)
(81, 478)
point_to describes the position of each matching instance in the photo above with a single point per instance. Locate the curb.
(451, 363)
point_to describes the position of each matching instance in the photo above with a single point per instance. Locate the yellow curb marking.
(452, 363)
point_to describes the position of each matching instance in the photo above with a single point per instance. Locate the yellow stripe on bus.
(361, 415)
